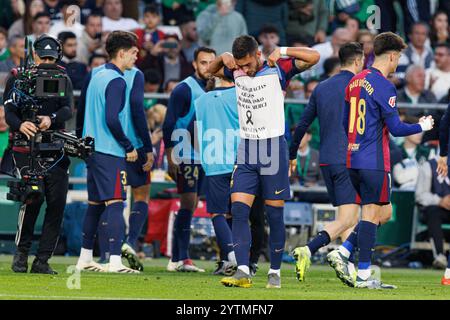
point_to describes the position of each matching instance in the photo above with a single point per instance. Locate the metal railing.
(422, 106)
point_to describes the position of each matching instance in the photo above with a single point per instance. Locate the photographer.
(167, 57)
(52, 116)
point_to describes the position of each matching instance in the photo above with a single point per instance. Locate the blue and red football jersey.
(370, 100)
(286, 66)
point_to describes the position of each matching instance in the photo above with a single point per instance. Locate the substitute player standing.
(138, 172)
(263, 160)
(327, 103)
(105, 120)
(443, 164)
(370, 115)
(184, 166)
(217, 126)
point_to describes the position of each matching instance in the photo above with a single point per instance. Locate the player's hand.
(132, 156)
(320, 36)
(445, 202)
(274, 57)
(174, 169)
(292, 166)
(148, 165)
(228, 61)
(28, 128)
(427, 123)
(158, 48)
(44, 122)
(442, 167)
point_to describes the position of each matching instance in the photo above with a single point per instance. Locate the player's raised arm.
(225, 60)
(304, 57)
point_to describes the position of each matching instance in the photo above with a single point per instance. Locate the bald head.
(340, 37)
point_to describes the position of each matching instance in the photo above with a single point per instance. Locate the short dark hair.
(418, 23)
(63, 3)
(97, 55)
(152, 76)
(349, 52)
(243, 46)
(152, 8)
(442, 45)
(331, 63)
(307, 40)
(118, 40)
(268, 28)
(66, 35)
(388, 41)
(203, 49)
(93, 15)
(40, 15)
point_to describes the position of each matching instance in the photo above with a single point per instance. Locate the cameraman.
(52, 116)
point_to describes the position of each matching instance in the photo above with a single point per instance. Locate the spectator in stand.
(308, 18)
(23, 26)
(152, 84)
(258, 13)
(174, 11)
(433, 197)
(150, 35)
(96, 60)
(53, 8)
(413, 12)
(219, 24)
(330, 49)
(91, 40)
(418, 52)
(406, 172)
(113, 19)
(4, 52)
(189, 42)
(270, 39)
(331, 66)
(365, 37)
(16, 48)
(152, 80)
(307, 173)
(75, 69)
(10, 11)
(155, 119)
(352, 25)
(41, 25)
(69, 21)
(89, 7)
(3, 132)
(167, 57)
(414, 91)
(170, 85)
(293, 112)
(437, 79)
(439, 29)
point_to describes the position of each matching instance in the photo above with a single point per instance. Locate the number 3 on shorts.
(124, 177)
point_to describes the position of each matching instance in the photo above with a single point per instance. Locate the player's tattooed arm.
(305, 57)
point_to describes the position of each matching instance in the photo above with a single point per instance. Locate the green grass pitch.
(156, 283)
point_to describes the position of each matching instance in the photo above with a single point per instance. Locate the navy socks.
(90, 225)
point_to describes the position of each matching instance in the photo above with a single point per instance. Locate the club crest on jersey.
(392, 101)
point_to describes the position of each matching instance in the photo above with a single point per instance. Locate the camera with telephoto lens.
(32, 87)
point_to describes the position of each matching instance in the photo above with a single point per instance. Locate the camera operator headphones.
(48, 46)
